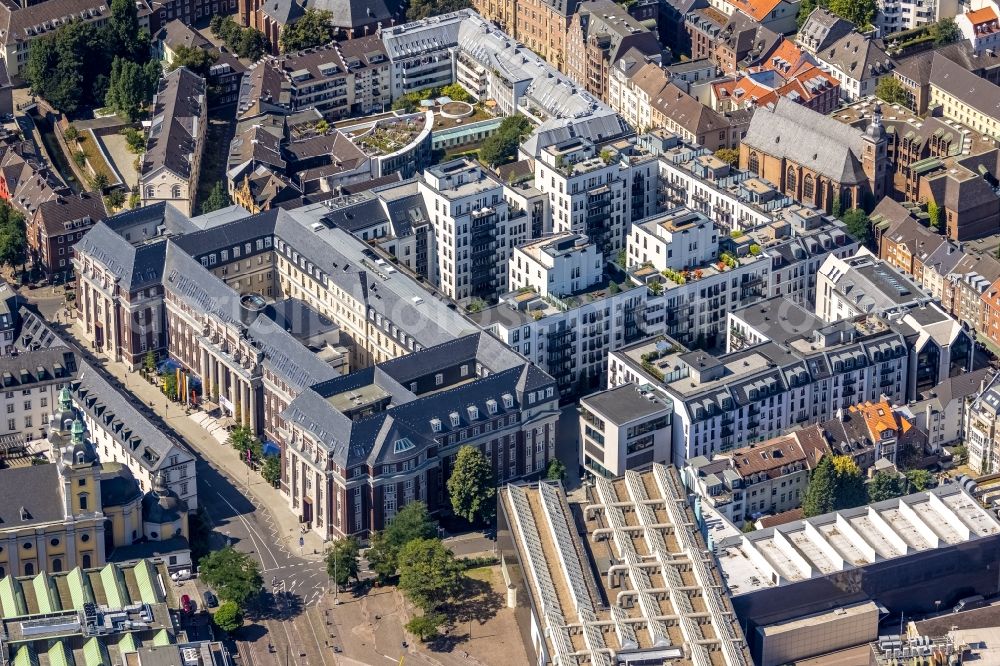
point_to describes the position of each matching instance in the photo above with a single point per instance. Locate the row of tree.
(837, 483)
(245, 42)
(501, 146)
(82, 65)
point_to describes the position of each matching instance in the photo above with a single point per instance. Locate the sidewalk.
(221, 456)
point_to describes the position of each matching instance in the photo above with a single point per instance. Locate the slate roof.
(371, 438)
(29, 496)
(859, 56)
(28, 368)
(295, 363)
(55, 213)
(917, 67)
(962, 84)
(803, 136)
(177, 129)
(148, 444)
(135, 267)
(821, 29)
(176, 34)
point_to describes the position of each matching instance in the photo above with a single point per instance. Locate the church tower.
(875, 159)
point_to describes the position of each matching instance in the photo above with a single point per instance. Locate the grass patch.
(484, 574)
(94, 158)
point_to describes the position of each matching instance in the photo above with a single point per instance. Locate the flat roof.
(357, 398)
(854, 538)
(670, 608)
(624, 404)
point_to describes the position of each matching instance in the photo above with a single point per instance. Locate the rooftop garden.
(389, 136)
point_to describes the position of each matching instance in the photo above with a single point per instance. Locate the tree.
(556, 470)
(80, 158)
(271, 470)
(471, 486)
(64, 66)
(130, 89)
(836, 208)
(945, 31)
(858, 226)
(836, 483)
(169, 378)
(115, 199)
(126, 39)
(99, 181)
(456, 92)
(884, 486)
(234, 575)
(754, 249)
(920, 480)
(419, 9)
(412, 522)
(314, 28)
(71, 133)
(728, 155)
(228, 616)
(501, 146)
(245, 42)
(933, 215)
(196, 59)
(342, 561)
(806, 8)
(891, 91)
(149, 361)
(425, 626)
(858, 12)
(429, 574)
(13, 239)
(135, 139)
(242, 439)
(216, 199)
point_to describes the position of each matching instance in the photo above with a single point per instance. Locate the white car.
(183, 574)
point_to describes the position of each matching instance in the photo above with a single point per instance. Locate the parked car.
(211, 601)
(188, 605)
(183, 574)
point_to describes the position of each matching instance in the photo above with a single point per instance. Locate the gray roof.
(177, 126)
(622, 404)
(55, 364)
(779, 319)
(29, 496)
(821, 29)
(135, 267)
(371, 438)
(859, 56)
(146, 442)
(962, 84)
(803, 136)
(295, 363)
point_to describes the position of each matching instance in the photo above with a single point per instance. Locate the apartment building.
(589, 192)
(600, 33)
(980, 27)
(776, 15)
(623, 428)
(982, 430)
(764, 479)
(55, 226)
(568, 332)
(898, 15)
(171, 164)
(557, 265)
(872, 430)
(942, 411)
(861, 285)
(726, 401)
(350, 19)
(856, 60)
(474, 229)
(712, 274)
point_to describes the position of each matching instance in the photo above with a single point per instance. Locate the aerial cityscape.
(499, 332)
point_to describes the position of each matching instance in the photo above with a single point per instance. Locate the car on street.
(211, 601)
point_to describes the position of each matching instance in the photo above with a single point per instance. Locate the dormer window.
(491, 406)
(473, 413)
(508, 401)
(454, 419)
(436, 425)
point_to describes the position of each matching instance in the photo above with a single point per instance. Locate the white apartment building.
(589, 192)
(557, 265)
(692, 176)
(982, 430)
(474, 234)
(861, 285)
(570, 337)
(898, 15)
(751, 395)
(676, 240)
(622, 429)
